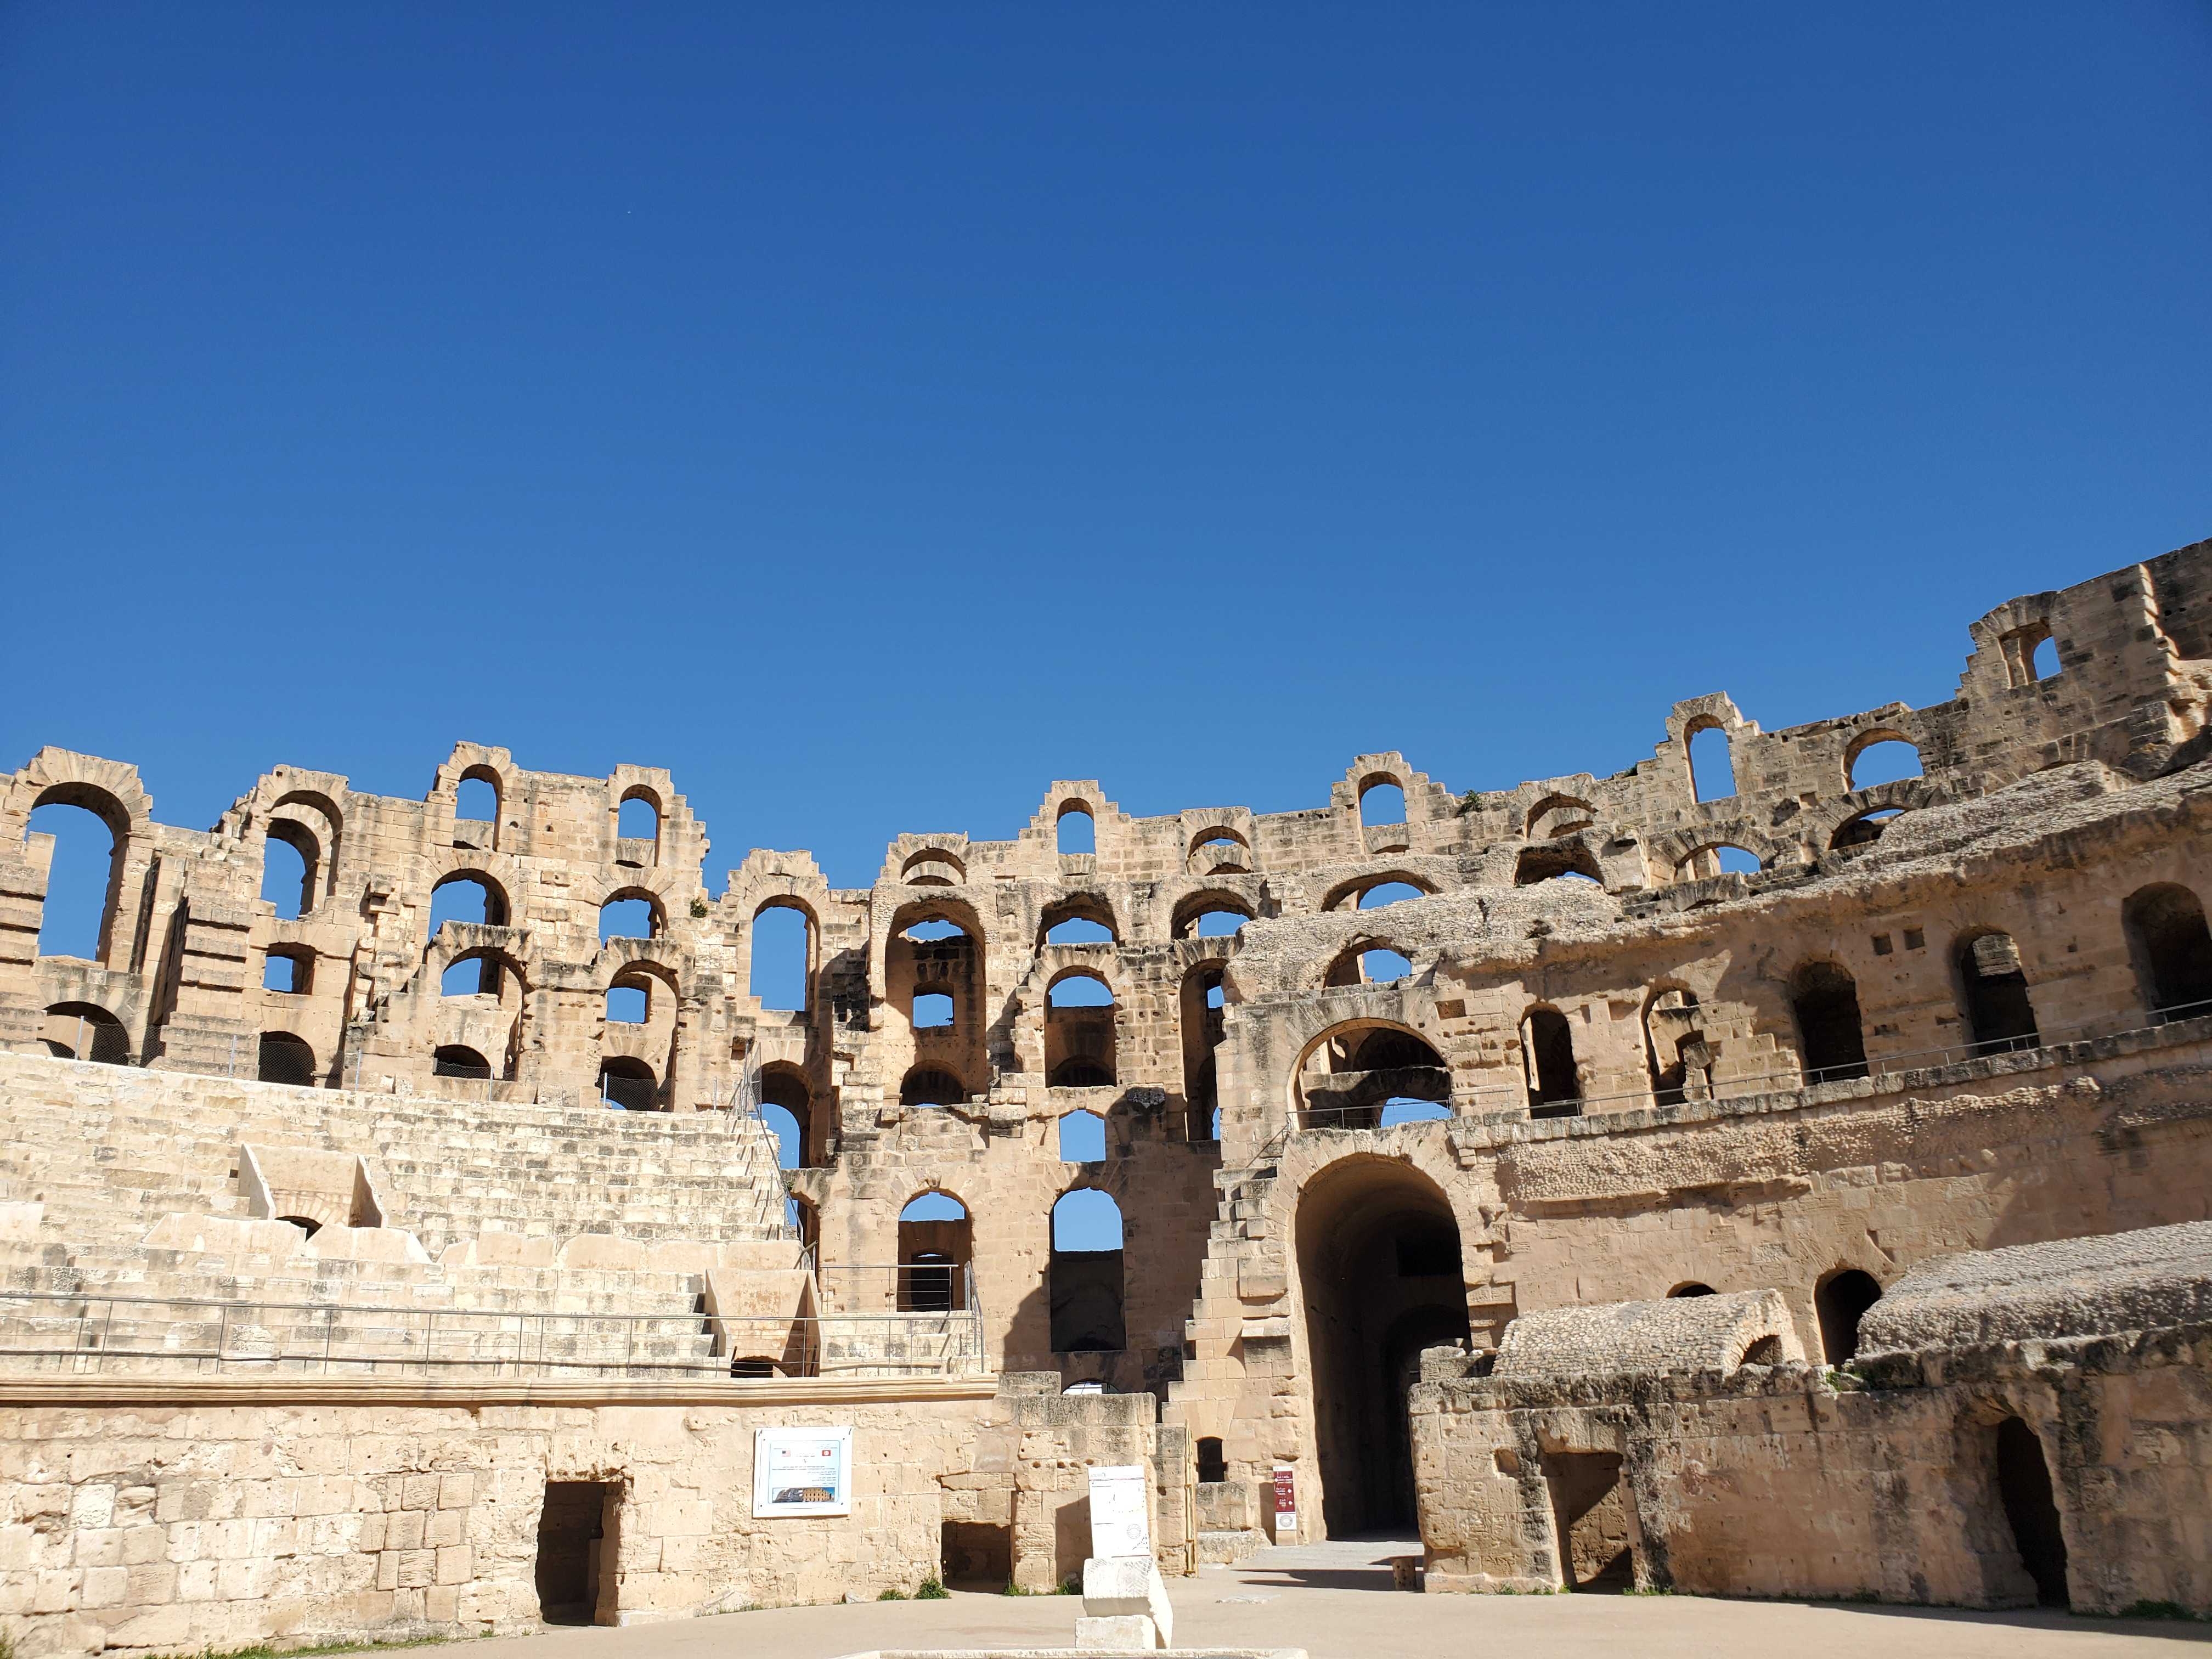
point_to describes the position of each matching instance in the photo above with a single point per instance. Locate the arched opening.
(1559, 815)
(82, 878)
(782, 968)
(1560, 861)
(1720, 858)
(1079, 930)
(1212, 1467)
(926, 1086)
(1204, 997)
(1762, 1350)
(1079, 1032)
(289, 970)
(1384, 893)
(476, 802)
(932, 1010)
(1886, 759)
(288, 858)
(790, 1146)
(1368, 963)
(1676, 1051)
(307, 1225)
(630, 915)
(473, 900)
(1217, 924)
(453, 1060)
(1074, 835)
(1218, 852)
(285, 1058)
(1082, 1137)
(783, 1090)
(84, 1031)
(638, 818)
(2173, 950)
(1380, 1273)
(1831, 1041)
(1841, 1300)
(1083, 1282)
(1993, 994)
(1547, 1062)
(936, 1242)
(629, 1002)
(1381, 802)
(1864, 829)
(628, 1084)
(1712, 767)
(1360, 1076)
(2023, 1486)
(1214, 914)
(1692, 1287)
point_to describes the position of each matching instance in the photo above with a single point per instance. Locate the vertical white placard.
(1120, 1521)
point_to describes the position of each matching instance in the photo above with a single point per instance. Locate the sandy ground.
(1335, 1601)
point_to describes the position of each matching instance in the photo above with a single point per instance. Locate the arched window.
(285, 1059)
(1559, 861)
(472, 899)
(1993, 986)
(1674, 1046)
(1863, 829)
(1384, 967)
(782, 958)
(1214, 914)
(629, 1002)
(1841, 1300)
(629, 1084)
(790, 1146)
(935, 1243)
(926, 1086)
(1713, 768)
(1202, 1002)
(2173, 950)
(81, 881)
(1720, 859)
(289, 970)
(628, 916)
(1074, 834)
(1079, 930)
(1547, 1057)
(1218, 924)
(1082, 1137)
(84, 1031)
(1079, 1032)
(1382, 801)
(932, 1010)
(477, 799)
(1694, 1287)
(1886, 760)
(783, 1090)
(288, 869)
(1219, 852)
(1831, 1042)
(1083, 1282)
(637, 818)
(1388, 892)
(455, 1060)
(474, 975)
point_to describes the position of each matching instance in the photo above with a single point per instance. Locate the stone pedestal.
(1125, 1604)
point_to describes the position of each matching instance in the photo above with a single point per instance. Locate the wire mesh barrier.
(1491, 1102)
(80, 1333)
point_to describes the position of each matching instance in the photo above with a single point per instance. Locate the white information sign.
(1120, 1522)
(803, 1471)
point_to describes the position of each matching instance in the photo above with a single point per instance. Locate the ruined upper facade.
(1959, 1010)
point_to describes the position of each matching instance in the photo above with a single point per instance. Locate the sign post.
(1286, 1504)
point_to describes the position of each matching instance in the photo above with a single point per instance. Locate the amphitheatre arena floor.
(1335, 1601)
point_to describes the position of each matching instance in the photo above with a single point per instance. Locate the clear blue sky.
(871, 414)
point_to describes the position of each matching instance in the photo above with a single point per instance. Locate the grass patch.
(893, 1593)
(932, 1590)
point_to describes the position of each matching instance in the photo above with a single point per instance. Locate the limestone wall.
(177, 1515)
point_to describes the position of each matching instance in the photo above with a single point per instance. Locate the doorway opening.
(577, 1546)
(2024, 1485)
(1379, 1264)
(1590, 1510)
(977, 1554)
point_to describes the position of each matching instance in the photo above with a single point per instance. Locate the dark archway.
(1831, 1040)
(285, 1059)
(2024, 1485)
(2173, 950)
(1841, 1300)
(1379, 1269)
(1993, 988)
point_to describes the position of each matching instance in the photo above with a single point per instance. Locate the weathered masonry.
(428, 1110)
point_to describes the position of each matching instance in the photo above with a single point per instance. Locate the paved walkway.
(1335, 1599)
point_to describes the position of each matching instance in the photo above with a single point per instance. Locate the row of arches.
(1085, 1280)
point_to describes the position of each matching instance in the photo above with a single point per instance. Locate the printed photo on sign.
(802, 1472)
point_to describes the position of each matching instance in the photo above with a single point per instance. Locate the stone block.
(1128, 1632)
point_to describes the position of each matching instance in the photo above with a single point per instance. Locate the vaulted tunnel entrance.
(1379, 1264)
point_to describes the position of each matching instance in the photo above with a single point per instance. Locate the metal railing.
(1511, 1100)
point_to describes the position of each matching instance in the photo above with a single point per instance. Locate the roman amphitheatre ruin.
(1744, 1178)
